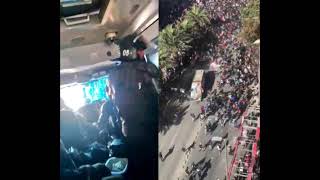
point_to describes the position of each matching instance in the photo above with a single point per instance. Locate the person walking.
(193, 166)
(230, 151)
(176, 115)
(161, 157)
(202, 111)
(219, 148)
(200, 147)
(193, 116)
(187, 171)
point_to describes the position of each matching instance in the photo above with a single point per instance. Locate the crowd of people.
(198, 169)
(235, 59)
(173, 9)
(120, 127)
(86, 146)
(236, 62)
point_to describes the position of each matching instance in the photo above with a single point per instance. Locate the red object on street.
(249, 159)
(253, 161)
(233, 161)
(254, 150)
(257, 134)
(202, 110)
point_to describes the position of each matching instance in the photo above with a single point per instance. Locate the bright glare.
(73, 96)
(76, 95)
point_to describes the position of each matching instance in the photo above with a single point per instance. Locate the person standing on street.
(161, 157)
(219, 148)
(200, 146)
(193, 116)
(202, 111)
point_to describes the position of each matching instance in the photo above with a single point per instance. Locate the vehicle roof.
(124, 17)
(198, 76)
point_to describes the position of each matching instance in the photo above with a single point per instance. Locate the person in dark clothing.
(69, 170)
(109, 118)
(80, 138)
(161, 157)
(139, 112)
(193, 116)
(187, 171)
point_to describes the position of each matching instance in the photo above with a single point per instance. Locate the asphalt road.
(212, 163)
(182, 136)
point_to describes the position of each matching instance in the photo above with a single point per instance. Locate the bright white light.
(73, 96)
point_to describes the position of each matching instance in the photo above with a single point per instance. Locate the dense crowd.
(238, 70)
(173, 10)
(86, 146)
(235, 60)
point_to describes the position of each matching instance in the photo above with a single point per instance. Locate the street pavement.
(177, 136)
(183, 135)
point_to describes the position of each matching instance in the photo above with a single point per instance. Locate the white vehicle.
(197, 85)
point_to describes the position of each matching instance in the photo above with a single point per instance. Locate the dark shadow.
(181, 79)
(203, 43)
(169, 152)
(209, 82)
(172, 11)
(216, 22)
(205, 169)
(208, 143)
(203, 166)
(191, 146)
(214, 144)
(210, 77)
(171, 113)
(192, 177)
(214, 125)
(225, 136)
(200, 162)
